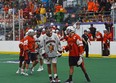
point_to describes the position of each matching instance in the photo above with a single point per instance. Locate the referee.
(86, 40)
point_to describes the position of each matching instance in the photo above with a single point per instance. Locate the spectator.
(90, 5)
(96, 6)
(43, 14)
(102, 5)
(108, 26)
(49, 15)
(107, 7)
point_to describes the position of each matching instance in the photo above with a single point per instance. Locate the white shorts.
(50, 60)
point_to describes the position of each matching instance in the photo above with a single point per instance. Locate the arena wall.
(11, 47)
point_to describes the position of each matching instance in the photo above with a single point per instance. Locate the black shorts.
(73, 60)
(27, 61)
(32, 56)
(21, 58)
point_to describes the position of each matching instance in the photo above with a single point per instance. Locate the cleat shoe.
(25, 74)
(17, 72)
(87, 77)
(31, 71)
(40, 69)
(51, 81)
(56, 80)
(68, 81)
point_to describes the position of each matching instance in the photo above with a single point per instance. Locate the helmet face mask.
(48, 31)
(39, 32)
(31, 32)
(70, 30)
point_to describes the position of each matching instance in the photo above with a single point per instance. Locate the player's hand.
(59, 55)
(45, 55)
(82, 54)
(60, 52)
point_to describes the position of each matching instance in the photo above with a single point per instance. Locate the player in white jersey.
(39, 37)
(50, 52)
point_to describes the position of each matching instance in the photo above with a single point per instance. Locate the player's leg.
(49, 72)
(21, 59)
(41, 65)
(25, 66)
(71, 70)
(34, 60)
(48, 63)
(84, 71)
(54, 65)
(72, 63)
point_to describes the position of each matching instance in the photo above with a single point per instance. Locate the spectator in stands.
(90, 5)
(57, 8)
(49, 15)
(102, 6)
(108, 26)
(37, 14)
(59, 16)
(96, 6)
(6, 8)
(92, 31)
(107, 7)
(113, 10)
(43, 14)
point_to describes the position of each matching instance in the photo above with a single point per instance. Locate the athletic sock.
(55, 76)
(87, 77)
(70, 77)
(50, 76)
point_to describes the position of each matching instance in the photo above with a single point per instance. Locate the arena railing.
(7, 22)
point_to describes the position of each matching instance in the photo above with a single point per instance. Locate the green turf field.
(100, 70)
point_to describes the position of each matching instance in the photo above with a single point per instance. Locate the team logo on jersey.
(51, 47)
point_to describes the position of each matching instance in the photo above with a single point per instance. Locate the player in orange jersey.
(21, 55)
(30, 51)
(75, 48)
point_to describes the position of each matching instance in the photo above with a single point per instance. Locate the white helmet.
(31, 32)
(57, 31)
(51, 24)
(70, 29)
(58, 27)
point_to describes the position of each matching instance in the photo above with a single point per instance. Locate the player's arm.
(44, 54)
(80, 45)
(58, 44)
(26, 48)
